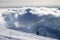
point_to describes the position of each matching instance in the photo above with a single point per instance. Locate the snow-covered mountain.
(40, 21)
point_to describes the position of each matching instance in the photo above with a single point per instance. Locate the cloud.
(18, 3)
(36, 15)
(46, 11)
(34, 10)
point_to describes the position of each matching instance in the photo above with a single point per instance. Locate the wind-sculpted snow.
(41, 21)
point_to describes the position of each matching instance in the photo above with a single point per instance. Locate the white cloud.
(34, 10)
(46, 11)
(18, 3)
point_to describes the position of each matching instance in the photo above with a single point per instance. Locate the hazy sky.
(17, 3)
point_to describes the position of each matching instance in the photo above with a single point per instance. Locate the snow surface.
(20, 35)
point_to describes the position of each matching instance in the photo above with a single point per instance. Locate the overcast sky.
(17, 3)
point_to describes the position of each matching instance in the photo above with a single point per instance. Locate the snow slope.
(21, 35)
